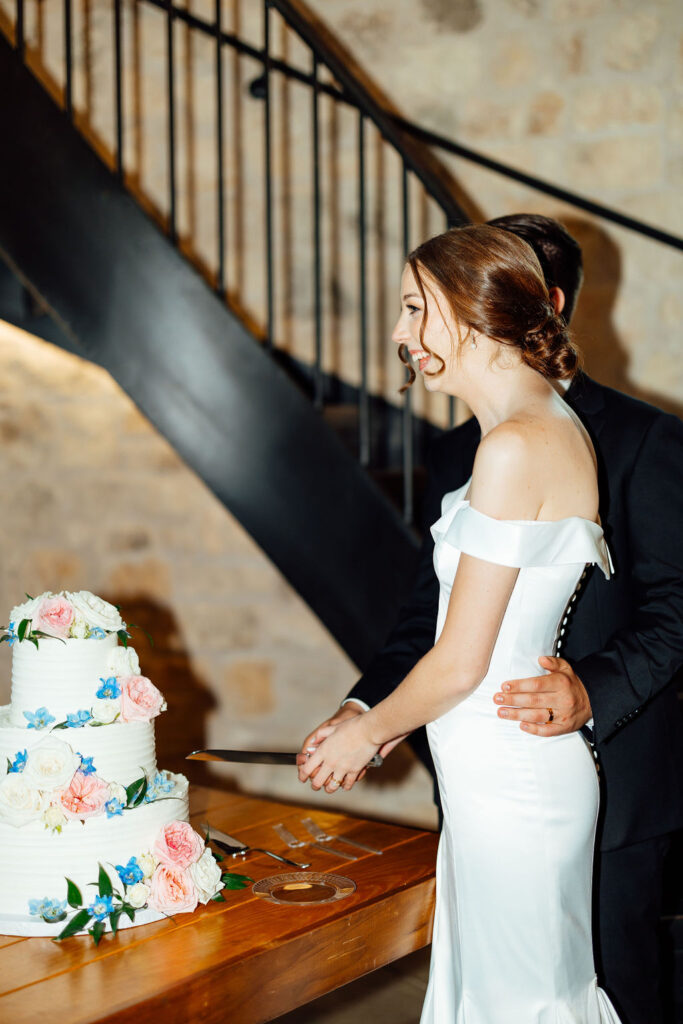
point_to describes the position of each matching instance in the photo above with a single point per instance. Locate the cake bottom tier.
(35, 863)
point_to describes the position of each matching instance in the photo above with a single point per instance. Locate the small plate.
(304, 888)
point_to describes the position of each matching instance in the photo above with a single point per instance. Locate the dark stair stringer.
(126, 299)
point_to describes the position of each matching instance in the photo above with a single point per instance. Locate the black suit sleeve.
(641, 659)
(413, 634)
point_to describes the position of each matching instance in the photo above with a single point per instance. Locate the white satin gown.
(512, 929)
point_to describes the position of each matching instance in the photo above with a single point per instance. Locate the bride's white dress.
(512, 929)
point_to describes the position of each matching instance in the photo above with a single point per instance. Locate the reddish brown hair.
(494, 286)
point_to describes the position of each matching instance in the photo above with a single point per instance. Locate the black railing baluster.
(317, 253)
(220, 210)
(270, 311)
(68, 60)
(170, 81)
(19, 40)
(408, 455)
(118, 85)
(364, 403)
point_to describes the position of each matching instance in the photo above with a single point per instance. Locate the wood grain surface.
(246, 960)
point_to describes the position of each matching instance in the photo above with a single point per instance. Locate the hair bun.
(549, 349)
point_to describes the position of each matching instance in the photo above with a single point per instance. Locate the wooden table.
(246, 960)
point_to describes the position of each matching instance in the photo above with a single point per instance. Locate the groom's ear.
(557, 298)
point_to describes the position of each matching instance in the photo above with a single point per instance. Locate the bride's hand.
(341, 757)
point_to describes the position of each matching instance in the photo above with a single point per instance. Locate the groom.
(620, 647)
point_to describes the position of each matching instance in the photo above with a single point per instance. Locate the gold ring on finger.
(551, 715)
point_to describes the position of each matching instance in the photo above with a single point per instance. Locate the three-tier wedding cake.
(81, 798)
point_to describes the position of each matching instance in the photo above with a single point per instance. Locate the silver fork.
(324, 837)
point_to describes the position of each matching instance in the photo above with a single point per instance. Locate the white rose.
(79, 628)
(123, 661)
(95, 611)
(54, 818)
(206, 875)
(117, 792)
(137, 895)
(148, 864)
(105, 710)
(50, 764)
(28, 609)
(19, 804)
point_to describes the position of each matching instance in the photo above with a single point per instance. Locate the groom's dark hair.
(558, 252)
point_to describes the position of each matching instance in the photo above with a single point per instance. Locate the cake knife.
(258, 757)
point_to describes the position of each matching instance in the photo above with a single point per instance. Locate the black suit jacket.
(624, 637)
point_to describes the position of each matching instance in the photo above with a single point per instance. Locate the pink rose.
(85, 797)
(172, 891)
(54, 616)
(178, 845)
(140, 699)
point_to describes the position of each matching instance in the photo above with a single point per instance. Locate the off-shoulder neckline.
(522, 522)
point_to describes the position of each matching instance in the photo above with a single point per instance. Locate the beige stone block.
(201, 579)
(513, 63)
(671, 310)
(125, 539)
(54, 569)
(629, 46)
(247, 688)
(621, 163)
(150, 577)
(485, 119)
(570, 49)
(221, 627)
(572, 10)
(598, 108)
(545, 113)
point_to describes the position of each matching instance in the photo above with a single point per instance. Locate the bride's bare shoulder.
(506, 480)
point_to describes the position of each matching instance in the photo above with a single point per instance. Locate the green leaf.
(218, 898)
(61, 725)
(140, 796)
(133, 790)
(235, 881)
(5, 636)
(123, 637)
(9, 766)
(73, 894)
(130, 911)
(76, 924)
(217, 856)
(28, 596)
(23, 626)
(114, 919)
(134, 625)
(97, 931)
(104, 883)
(34, 641)
(45, 636)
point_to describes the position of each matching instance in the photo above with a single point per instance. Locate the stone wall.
(93, 498)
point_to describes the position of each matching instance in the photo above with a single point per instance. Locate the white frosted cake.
(79, 786)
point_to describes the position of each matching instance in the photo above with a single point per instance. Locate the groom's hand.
(528, 700)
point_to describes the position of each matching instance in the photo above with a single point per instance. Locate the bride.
(512, 930)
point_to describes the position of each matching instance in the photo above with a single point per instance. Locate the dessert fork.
(287, 836)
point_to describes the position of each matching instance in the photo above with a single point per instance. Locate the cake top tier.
(66, 615)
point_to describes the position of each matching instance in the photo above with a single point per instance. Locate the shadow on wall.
(182, 727)
(607, 360)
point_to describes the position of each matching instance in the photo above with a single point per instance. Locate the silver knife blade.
(214, 833)
(258, 757)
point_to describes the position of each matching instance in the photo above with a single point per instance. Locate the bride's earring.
(473, 343)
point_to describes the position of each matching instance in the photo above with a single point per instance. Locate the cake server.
(258, 757)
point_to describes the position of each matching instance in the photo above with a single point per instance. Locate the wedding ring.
(337, 782)
(551, 715)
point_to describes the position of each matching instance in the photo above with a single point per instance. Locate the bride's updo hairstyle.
(494, 285)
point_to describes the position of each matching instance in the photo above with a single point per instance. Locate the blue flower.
(36, 906)
(11, 635)
(19, 762)
(87, 767)
(109, 688)
(101, 907)
(160, 784)
(113, 807)
(131, 873)
(53, 910)
(96, 633)
(39, 719)
(77, 719)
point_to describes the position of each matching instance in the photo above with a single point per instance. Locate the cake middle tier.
(121, 752)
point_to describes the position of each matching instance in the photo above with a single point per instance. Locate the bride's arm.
(459, 660)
